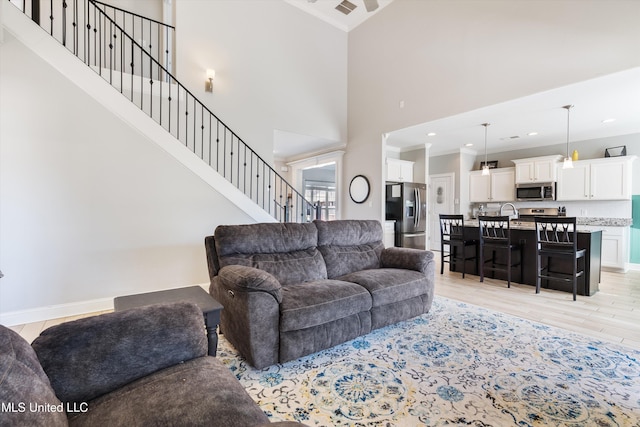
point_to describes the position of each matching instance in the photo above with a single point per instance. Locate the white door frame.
(299, 165)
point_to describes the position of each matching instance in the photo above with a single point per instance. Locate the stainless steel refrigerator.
(406, 203)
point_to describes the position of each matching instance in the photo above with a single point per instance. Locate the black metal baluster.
(158, 54)
(224, 154)
(186, 119)
(111, 35)
(122, 55)
(76, 40)
(169, 103)
(132, 71)
(231, 159)
(99, 36)
(244, 172)
(166, 45)
(217, 145)
(50, 17)
(95, 37)
(64, 23)
(202, 131)
(194, 125)
(160, 83)
(209, 140)
(263, 189)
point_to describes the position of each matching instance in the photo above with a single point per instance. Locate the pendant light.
(485, 168)
(567, 163)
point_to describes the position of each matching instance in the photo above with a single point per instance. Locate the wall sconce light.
(208, 85)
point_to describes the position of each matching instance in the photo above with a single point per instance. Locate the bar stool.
(452, 235)
(557, 238)
(495, 236)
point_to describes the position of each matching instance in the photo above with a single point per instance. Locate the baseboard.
(633, 267)
(40, 314)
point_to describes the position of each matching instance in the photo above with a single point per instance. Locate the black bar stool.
(452, 235)
(495, 236)
(557, 238)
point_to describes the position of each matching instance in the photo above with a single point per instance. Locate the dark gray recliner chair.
(140, 367)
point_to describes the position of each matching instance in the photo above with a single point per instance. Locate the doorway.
(320, 189)
(319, 179)
(441, 201)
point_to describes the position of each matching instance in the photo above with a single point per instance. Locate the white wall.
(447, 57)
(89, 208)
(277, 68)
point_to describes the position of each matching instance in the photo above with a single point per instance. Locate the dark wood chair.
(557, 240)
(495, 238)
(452, 236)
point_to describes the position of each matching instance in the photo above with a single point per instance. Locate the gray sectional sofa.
(289, 290)
(142, 367)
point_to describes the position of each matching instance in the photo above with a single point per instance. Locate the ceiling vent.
(346, 7)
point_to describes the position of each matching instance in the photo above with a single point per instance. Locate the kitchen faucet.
(515, 211)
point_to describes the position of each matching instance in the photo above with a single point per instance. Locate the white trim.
(41, 314)
(633, 267)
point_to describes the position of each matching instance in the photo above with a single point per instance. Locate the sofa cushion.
(287, 251)
(349, 245)
(199, 392)
(89, 357)
(349, 232)
(287, 267)
(264, 238)
(390, 285)
(313, 303)
(23, 383)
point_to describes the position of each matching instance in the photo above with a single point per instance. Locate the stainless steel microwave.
(538, 191)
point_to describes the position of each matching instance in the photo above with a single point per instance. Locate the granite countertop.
(590, 221)
(605, 222)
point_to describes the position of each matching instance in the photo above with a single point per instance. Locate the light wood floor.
(612, 314)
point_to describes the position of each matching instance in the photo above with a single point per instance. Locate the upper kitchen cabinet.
(537, 169)
(399, 170)
(597, 179)
(499, 186)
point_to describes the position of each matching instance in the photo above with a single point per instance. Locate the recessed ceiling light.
(532, 133)
(431, 134)
(608, 120)
(469, 144)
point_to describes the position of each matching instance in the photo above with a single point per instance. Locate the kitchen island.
(524, 233)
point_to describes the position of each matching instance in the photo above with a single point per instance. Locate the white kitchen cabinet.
(615, 247)
(399, 170)
(597, 179)
(536, 169)
(499, 186)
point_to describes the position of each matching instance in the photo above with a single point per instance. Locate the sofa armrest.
(407, 258)
(249, 279)
(93, 356)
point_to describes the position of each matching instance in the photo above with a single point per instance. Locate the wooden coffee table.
(210, 307)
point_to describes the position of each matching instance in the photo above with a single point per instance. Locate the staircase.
(134, 55)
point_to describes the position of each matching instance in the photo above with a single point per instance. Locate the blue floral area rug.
(456, 365)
